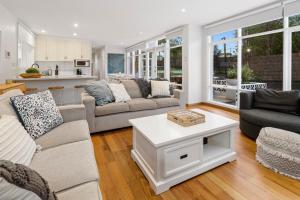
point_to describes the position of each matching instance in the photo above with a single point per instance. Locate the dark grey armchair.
(253, 119)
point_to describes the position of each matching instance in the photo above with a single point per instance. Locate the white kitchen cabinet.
(61, 49)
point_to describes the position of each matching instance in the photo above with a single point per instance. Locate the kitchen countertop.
(59, 77)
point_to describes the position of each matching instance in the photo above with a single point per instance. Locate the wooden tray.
(31, 75)
(186, 117)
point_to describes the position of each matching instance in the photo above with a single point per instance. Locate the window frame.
(286, 65)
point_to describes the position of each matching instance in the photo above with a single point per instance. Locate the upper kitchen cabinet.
(61, 49)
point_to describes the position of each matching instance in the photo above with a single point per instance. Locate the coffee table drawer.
(181, 157)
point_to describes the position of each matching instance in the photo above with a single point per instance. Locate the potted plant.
(31, 72)
(231, 77)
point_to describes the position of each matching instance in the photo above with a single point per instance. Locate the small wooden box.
(186, 117)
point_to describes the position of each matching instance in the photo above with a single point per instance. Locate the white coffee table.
(168, 153)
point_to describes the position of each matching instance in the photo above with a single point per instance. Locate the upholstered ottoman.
(279, 150)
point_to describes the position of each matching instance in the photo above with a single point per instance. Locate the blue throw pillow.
(100, 91)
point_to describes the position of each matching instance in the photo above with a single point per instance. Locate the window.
(224, 36)
(161, 64)
(264, 27)
(151, 66)
(262, 61)
(294, 20)
(176, 65)
(225, 73)
(176, 41)
(136, 66)
(144, 65)
(296, 60)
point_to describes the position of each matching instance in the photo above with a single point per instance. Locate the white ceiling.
(119, 22)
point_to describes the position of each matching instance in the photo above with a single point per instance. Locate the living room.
(149, 99)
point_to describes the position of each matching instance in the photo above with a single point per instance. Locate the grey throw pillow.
(100, 91)
(30, 184)
(37, 112)
(132, 88)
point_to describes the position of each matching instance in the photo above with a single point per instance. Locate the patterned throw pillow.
(37, 112)
(160, 88)
(20, 182)
(119, 92)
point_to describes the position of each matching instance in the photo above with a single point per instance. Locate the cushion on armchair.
(281, 101)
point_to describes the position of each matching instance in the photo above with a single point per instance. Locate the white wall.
(192, 64)
(8, 42)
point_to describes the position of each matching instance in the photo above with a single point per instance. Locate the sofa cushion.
(67, 165)
(88, 191)
(281, 101)
(268, 118)
(141, 104)
(6, 107)
(160, 88)
(66, 133)
(119, 92)
(112, 108)
(132, 88)
(166, 102)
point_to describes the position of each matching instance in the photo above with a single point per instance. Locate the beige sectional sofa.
(67, 158)
(116, 115)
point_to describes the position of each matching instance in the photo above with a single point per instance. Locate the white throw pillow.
(16, 145)
(119, 92)
(160, 88)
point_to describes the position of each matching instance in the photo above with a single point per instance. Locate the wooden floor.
(120, 177)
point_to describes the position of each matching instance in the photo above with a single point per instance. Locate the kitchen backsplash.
(65, 68)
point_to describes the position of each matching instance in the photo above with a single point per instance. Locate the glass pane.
(176, 41)
(162, 42)
(136, 66)
(294, 20)
(160, 64)
(296, 60)
(151, 64)
(224, 36)
(144, 65)
(176, 65)
(262, 62)
(259, 28)
(225, 95)
(225, 73)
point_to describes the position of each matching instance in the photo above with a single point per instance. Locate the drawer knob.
(183, 156)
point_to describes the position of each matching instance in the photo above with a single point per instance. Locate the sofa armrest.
(178, 94)
(72, 112)
(90, 106)
(246, 100)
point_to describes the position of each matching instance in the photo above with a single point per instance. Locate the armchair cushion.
(246, 100)
(281, 101)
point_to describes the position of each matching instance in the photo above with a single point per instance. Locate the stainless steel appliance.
(82, 63)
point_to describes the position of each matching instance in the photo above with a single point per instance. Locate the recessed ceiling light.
(141, 33)
(75, 25)
(75, 34)
(183, 10)
(43, 31)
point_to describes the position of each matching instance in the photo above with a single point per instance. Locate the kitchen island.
(70, 94)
